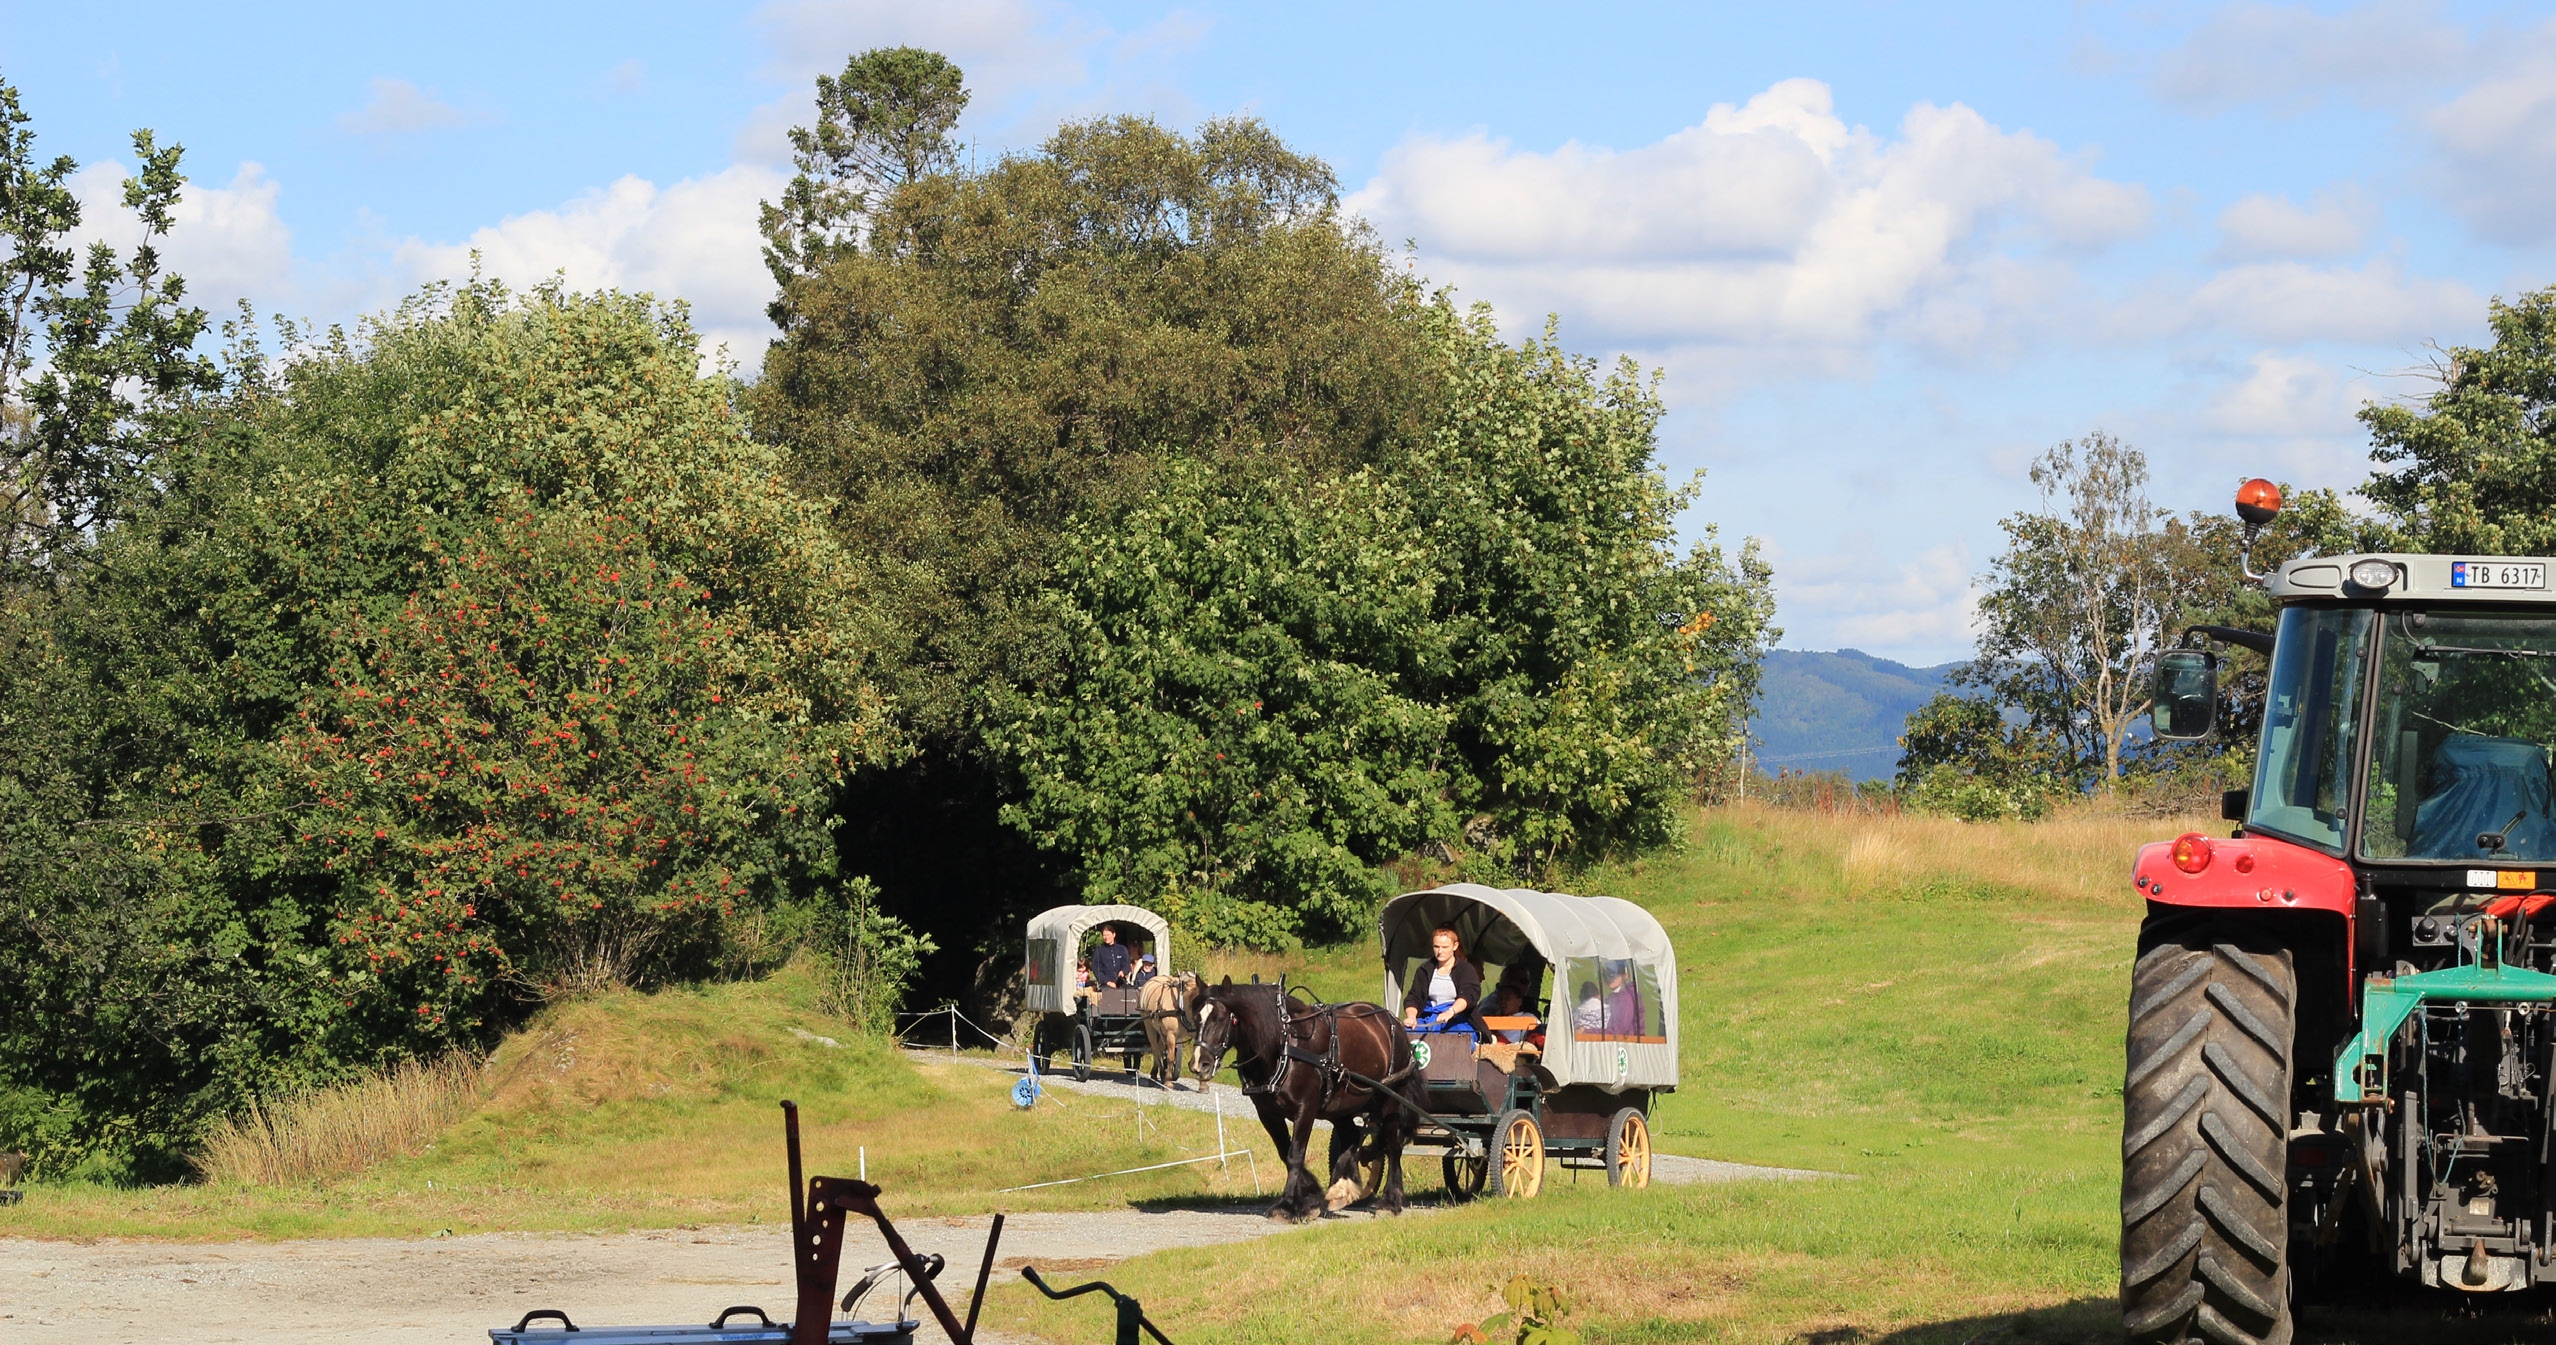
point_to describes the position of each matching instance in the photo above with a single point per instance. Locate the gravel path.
(449, 1291)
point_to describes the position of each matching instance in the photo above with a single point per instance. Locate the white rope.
(1068, 1181)
(949, 1011)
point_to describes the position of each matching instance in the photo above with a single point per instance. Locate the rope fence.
(949, 1014)
(1150, 1167)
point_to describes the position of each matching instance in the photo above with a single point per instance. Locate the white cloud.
(629, 77)
(695, 240)
(1922, 607)
(2292, 56)
(1772, 222)
(228, 242)
(2288, 301)
(2496, 143)
(399, 107)
(2261, 227)
(2285, 396)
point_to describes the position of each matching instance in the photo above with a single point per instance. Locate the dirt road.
(449, 1291)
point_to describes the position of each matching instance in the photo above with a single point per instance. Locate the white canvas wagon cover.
(1055, 934)
(1613, 1015)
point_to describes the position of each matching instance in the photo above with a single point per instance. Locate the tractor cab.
(2341, 1042)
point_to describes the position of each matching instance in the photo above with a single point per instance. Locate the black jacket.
(1467, 977)
(1112, 964)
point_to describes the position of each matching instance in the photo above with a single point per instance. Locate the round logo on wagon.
(1420, 1054)
(1623, 1063)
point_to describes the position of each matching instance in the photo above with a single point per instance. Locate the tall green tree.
(1488, 643)
(1022, 346)
(2078, 604)
(2475, 464)
(81, 443)
(881, 125)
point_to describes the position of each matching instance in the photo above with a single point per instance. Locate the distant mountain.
(1837, 712)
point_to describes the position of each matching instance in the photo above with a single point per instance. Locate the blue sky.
(1882, 253)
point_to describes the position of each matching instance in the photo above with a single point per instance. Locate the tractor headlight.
(2374, 574)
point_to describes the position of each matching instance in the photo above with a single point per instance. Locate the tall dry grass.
(2081, 853)
(341, 1131)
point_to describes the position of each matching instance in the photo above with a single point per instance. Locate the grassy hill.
(1930, 1007)
(1837, 712)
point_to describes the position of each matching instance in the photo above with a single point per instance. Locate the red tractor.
(2342, 1033)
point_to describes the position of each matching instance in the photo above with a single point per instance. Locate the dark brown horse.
(1301, 1063)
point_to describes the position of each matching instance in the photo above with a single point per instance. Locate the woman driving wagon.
(1442, 999)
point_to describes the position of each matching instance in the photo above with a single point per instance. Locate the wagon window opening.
(1042, 962)
(1615, 999)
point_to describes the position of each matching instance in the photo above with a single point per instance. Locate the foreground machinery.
(2342, 1033)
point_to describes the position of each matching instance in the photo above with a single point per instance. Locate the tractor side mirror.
(2185, 704)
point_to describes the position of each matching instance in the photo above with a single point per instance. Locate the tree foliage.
(1275, 684)
(80, 444)
(1959, 756)
(882, 124)
(2079, 603)
(461, 663)
(1024, 346)
(2477, 461)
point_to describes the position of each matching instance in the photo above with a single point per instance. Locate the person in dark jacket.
(1112, 964)
(1445, 989)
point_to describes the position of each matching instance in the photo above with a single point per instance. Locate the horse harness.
(1328, 1064)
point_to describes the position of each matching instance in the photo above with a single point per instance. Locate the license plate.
(2496, 574)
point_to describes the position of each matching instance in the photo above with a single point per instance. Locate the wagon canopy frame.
(1056, 932)
(1625, 1038)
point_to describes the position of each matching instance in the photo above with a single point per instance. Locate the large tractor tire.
(2205, 1223)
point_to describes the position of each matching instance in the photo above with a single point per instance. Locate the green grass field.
(1932, 1008)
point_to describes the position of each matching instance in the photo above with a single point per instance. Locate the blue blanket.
(2478, 785)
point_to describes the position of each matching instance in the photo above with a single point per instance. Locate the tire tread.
(2207, 1077)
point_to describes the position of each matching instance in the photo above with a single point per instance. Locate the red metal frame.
(2253, 873)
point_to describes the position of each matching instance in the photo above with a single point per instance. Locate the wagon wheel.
(1516, 1159)
(1628, 1149)
(1082, 1053)
(1463, 1175)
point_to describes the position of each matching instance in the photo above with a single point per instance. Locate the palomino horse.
(1166, 1002)
(1303, 1062)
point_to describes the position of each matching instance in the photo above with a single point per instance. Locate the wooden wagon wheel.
(1628, 1149)
(1464, 1176)
(1517, 1155)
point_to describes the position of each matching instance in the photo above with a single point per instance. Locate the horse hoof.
(1343, 1194)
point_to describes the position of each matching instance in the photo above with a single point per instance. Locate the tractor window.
(2302, 777)
(2466, 714)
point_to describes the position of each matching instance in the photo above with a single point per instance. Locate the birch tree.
(2083, 598)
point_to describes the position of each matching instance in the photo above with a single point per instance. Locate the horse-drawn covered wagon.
(1084, 1022)
(1572, 1036)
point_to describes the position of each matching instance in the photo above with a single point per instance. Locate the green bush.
(477, 660)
